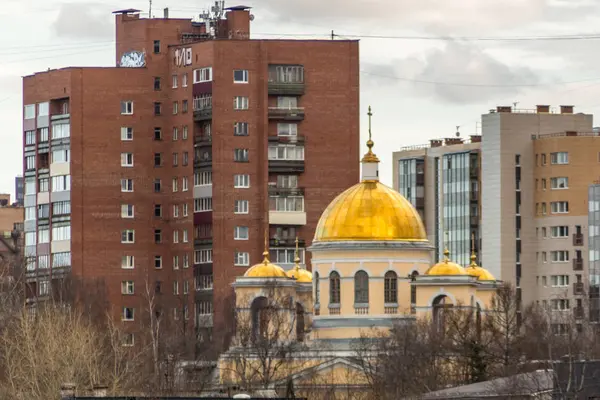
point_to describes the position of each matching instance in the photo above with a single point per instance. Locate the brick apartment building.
(162, 175)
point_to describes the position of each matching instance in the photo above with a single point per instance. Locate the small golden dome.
(265, 269)
(480, 273)
(372, 211)
(300, 275)
(446, 267)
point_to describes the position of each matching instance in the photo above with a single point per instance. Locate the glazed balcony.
(286, 80)
(203, 108)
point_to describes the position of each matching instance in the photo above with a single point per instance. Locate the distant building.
(20, 190)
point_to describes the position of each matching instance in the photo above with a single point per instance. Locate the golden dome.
(265, 269)
(300, 275)
(446, 267)
(480, 273)
(370, 210)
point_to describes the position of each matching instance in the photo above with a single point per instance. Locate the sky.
(427, 66)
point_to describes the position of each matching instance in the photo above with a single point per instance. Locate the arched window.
(361, 287)
(334, 288)
(260, 317)
(441, 305)
(317, 288)
(391, 287)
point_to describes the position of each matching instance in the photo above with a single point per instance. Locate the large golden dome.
(265, 269)
(371, 211)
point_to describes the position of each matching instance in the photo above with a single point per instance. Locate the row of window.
(559, 231)
(555, 280)
(127, 185)
(128, 287)
(557, 158)
(127, 159)
(557, 256)
(128, 236)
(59, 260)
(557, 183)
(556, 207)
(128, 262)
(60, 183)
(361, 288)
(129, 313)
(60, 231)
(42, 211)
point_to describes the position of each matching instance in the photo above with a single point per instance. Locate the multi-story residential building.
(19, 190)
(537, 168)
(441, 180)
(165, 174)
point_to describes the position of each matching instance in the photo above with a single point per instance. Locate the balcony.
(286, 242)
(578, 288)
(203, 161)
(205, 321)
(474, 220)
(202, 141)
(285, 191)
(202, 108)
(578, 312)
(278, 88)
(578, 264)
(577, 239)
(286, 113)
(286, 166)
(289, 139)
(203, 241)
(287, 217)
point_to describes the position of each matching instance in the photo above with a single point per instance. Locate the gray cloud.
(83, 20)
(464, 74)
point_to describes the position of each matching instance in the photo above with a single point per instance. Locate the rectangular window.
(29, 111)
(158, 262)
(126, 185)
(44, 185)
(30, 213)
(561, 157)
(60, 260)
(242, 259)
(44, 289)
(559, 256)
(44, 109)
(128, 340)
(560, 231)
(175, 107)
(61, 183)
(30, 238)
(241, 181)
(157, 133)
(175, 81)
(157, 186)
(175, 159)
(185, 159)
(203, 204)
(44, 210)
(128, 314)
(287, 181)
(127, 287)
(560, 305)
(175, 133)
(43, 134)
(184, 184)
(240, 233)
(203, 75)
(157, 83)
(559, 280)
(30, 186)
(240, 76)
(287, 129)
(175, 211)
(29, 163)
(174, 185)
(240, 155)
(287, 102)
(241, 207)
(157, 236)
(240, 129)
(286, 204)
(286, 152)
(61, 231)
(128, 236)
(175, 287)
(127, 107)
(158, 210)
(61, 208)
(186, 290)
(61, 156)
(185, 209)
(156, 46)
(185, 236)
(240, 103)
(203, 178)
(157, 108)
(43, 235)
(175, 262)
(126, 159)
(157, 159)
(127, 262)
(44, 262)
(186, 261)
(286, 255)
(184, 132)
(126, 133)
(559, 183)
(286, 73)
(203, 256)
(30, 137)
(559, 207)
(184, 106)
(127, 211)
(175, 236)
(184, 80)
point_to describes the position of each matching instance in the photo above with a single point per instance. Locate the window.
(29, 111)
(175, 262)
(391, 287)
(158, 262)
(157, 134)
(559, 256)
(157, 186)
(205, 307)
(156, 46)
(361, 287)
(157, 108)
(128, 313)
(204, 282)
(241, 181)
(559, 207)
(175, 287)
(29, 162)
(240, 76)
(128, 339)
(185, 159)
(561, 157)
(184, 184)
(126, 185)
(175, 211)
(286, 73)
(44, 288)
(128, 236)
(186, 261)
(240, 129)
(287, 102)
(544, 184)
(126, 108)
(174, 185)
(287, 181)
(334, 288)
(240, 155)
(175, 81)
(157, 159)
(203, 256)
(184, 106)
(203, 178)
(30, 214)
(44, 262)
(127, 287)
(175, 159)
(158, 210)
(241, 207)
(184, 80)
(240, 103)
(544, 208)
(185, 209)
(203, 75)
(184, 134)
(559, 231)
(559, 183)
(127, 262)
(44, 210)
(62, 156)
(543, 159)
(175, 236)
(286, 204)
(241, 259)
(286, 152)
(175, 133)
(126, 133)
(43, 134)
(317, 288)
(186, 288)
(61, 259)
(544, 233)
(286, 255)
(157, 236)
(156, 83)
(203, 204)
(240, 233)
(559, 280)
(30, 137)
(43, 235)
(61, 183)
(185, 235)
(175, 107)
(61, 231)
(126, 210)
(287, 129)
(126, 159)
(560, 304)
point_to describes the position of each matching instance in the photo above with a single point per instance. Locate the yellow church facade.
(372, 269)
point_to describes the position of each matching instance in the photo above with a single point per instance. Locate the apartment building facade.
(168, 173)
(442, 180)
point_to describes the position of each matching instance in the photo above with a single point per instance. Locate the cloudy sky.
(418, 88)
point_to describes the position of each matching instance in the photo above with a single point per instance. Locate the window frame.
(334, 288)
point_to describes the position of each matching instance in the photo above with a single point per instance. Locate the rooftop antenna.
(457, 131)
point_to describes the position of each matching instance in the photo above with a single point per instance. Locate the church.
(372, 269)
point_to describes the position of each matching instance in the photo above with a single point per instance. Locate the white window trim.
(246, 259)
(246, 76)
(127, 102)
(246, 202)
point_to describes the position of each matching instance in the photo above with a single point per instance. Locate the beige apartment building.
(533, 203)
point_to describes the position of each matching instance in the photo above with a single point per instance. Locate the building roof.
(238, 8)
(127, 11)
